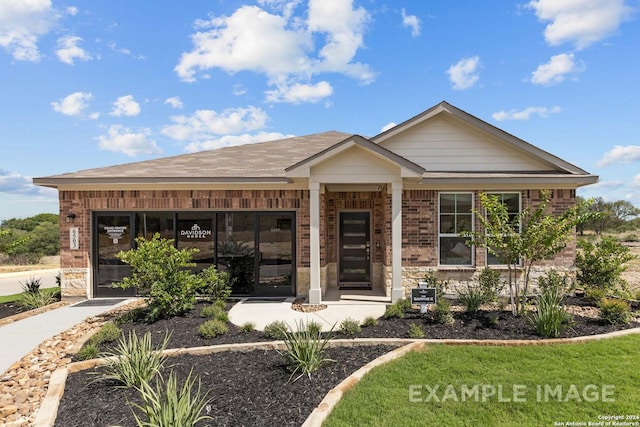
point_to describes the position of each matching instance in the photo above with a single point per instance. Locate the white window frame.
(441, 235)
(495, 193)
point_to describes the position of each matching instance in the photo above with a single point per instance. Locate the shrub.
(601, 265)
(415, 331)
(108, 333)
(550, 318)
(350, 326)
(215, 312)
(248, 327)
(595, 295)
(276, 330)
(134, 360)
(369, 321)
(554, 283)
(615, 311)
(213, 328)
(404, 304)
(314, 327)
(490, 284)
(88, 351)
(433, 282)
(472, 298)
(169, 405)
(442, 312)
(393, 311)
(31, 300)
(160, 268)
(304, 350)
(31, 286)
(216, 284)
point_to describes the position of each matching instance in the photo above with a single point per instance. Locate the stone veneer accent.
(419, 225)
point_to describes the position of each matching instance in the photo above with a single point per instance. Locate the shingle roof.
(251, 161)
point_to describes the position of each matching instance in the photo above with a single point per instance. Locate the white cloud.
(298, 93)
(463, 74)
(206, 124)
(14, 183)
(74, 104)
(124, 140)
(388, 126)
(22, 23)
(412, 22)
(581, 22)
(525, 114)
(239, 90)
(72, 10)
(175, 102)
(286, 49)
(635, 182)
(620, 154)
(555, 71)
(68, 50)
(125, 106)
(233, 140)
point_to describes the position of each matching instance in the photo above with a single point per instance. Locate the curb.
(46, 415)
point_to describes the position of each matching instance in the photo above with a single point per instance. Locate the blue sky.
(86, 84)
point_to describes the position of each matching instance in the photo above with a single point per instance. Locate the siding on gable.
(442, 145)
(355, 165)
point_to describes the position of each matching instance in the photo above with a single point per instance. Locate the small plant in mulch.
(415, 331)
(550, 319)
(369, 321)
(304, 350)
(170, 405)
(615, 311)
(215, 312)
(395, 311)
(472, 297)
(350, 326)
(134, 361)
(276, 329)
(32, 300)
(442, 312)
(314, 327)
(248, 327)
(88, 351)
(212, 328)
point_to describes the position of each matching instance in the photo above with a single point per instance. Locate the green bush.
(404, 304)
(169, 405)
(550, 318)
(369, 321)
(433, 282)
(213, 328)
(601, 265)
(108, 333)
(314, 327)
(393, 311)
(555, 283)
(276, 330)
(134, 361)
(472, 297)
(216, 285)
(595, 295)
(350, 326)
(442, 312)
(32, 300)
(491, 284)
(305, 350)
(415, 331)
(160, 268)
(215, 312)
(615, 311)
(248, 327)
(88, 351)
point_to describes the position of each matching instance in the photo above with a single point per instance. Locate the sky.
(86, 84)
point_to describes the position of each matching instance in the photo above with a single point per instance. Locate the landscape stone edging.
(48, 410)
(29, 313)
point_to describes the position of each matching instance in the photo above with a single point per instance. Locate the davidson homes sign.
(195, 232)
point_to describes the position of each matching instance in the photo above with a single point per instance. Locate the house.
(299, 216)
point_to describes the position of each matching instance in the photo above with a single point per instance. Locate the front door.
(113, 233)
(354, 263)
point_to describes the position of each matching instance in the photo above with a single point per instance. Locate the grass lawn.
(16, 297)
(534, 386)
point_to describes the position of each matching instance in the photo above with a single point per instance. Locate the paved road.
(11, 283)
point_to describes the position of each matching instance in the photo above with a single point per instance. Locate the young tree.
(533, 235)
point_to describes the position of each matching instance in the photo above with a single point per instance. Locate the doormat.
(261, 300)
(100, 302)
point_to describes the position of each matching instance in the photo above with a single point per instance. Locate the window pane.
(463, 202)
(195, 230)
(149, 223)
(463, 223)
(512, 202)
(453, 251)
(447, 203)
(447, 224)
(236, 249)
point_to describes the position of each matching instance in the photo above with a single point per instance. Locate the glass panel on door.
(195, 230)
(236, 249)
(355, 250)
(113, 234)
(275, 257)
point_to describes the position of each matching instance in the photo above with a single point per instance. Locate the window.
(512, 203)
(455, 216)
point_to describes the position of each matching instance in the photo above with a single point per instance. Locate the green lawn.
(16, 297)
(533, 386)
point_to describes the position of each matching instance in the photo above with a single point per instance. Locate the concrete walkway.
(19, 338)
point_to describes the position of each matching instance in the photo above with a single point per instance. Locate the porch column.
(315, 291)
(397, 292)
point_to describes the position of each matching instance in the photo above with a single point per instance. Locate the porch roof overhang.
(483, 178)
(302, 169)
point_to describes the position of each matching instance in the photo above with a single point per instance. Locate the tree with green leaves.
(532, 235)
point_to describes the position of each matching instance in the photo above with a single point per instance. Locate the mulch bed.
(8, 309)
(253, 388)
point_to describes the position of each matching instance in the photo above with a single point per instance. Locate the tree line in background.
(27, 240)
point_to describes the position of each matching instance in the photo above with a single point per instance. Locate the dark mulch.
(253, 388)
(247, 389)
(8, 309)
